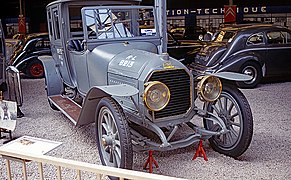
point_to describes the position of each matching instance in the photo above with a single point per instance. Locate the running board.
(67, 106)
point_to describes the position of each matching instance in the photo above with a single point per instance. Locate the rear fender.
(236, 61)
(23, 63)
(96, 93)
(54, 83)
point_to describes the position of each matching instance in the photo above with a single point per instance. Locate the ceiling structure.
(35, 11)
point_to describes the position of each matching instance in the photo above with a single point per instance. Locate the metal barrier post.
(8, 169)
(78, 174)
(40, 171)
(24, 170)
(59, 172)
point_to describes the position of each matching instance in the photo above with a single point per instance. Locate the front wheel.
(113, 135)
(233, 108)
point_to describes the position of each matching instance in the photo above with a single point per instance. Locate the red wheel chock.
(150, 162)
(200, 152)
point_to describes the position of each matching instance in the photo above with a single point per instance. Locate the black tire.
(233, 107)
(35, 69)
(253, 69)
(114, 151)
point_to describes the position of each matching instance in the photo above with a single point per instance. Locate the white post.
(161, 7)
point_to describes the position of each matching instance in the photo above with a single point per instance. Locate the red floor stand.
(150, 162)
(200, 152)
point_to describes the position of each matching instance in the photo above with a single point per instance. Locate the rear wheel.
(233, 108)
(35, 69)
(113, 135)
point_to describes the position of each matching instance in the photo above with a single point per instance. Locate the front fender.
(232, 76)
(96, 93)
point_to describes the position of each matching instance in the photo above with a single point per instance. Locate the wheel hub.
(249, 72)
(36, 70)
(225, 116)
(108, 140)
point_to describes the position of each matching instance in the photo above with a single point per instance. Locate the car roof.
(10, 40)
(37, 34)
(254, 28)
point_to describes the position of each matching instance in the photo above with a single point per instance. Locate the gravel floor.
(268, 157)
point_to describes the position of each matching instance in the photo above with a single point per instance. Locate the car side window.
(76, 28)
(56, 24)
(42, 44)
(275, 37)
(287, 36)
(255, 39)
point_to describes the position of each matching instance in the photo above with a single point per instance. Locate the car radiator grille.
(178, 81)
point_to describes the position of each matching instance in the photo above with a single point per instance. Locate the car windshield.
(224, 36)
(112, 22)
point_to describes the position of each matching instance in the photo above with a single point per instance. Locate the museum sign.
(220, 11)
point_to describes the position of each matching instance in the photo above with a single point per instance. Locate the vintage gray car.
(10, 84)
(107, 68)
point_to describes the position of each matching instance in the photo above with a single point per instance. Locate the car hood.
(210, 54)
(139, 63)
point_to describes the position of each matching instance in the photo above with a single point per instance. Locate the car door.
(58, 45)
(279, 52)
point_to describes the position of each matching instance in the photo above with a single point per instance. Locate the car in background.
(188, 33)
(182, 49)
(19, 36)
(25, 58)
(258, 50)
(11, 46)
(9, 80)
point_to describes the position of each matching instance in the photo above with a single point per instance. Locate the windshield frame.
(154, 26)
(220, 36)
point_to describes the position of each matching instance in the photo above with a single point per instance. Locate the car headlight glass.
(156, 95)
(209, 88)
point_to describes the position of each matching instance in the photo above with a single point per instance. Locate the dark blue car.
(257, 50)
(25, 59)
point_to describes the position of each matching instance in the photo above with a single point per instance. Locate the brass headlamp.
(156, 95)
(209, 88)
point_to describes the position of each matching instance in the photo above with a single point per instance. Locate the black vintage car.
(257, 50)
(183, 49)
(189, 32)
(25, 58)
